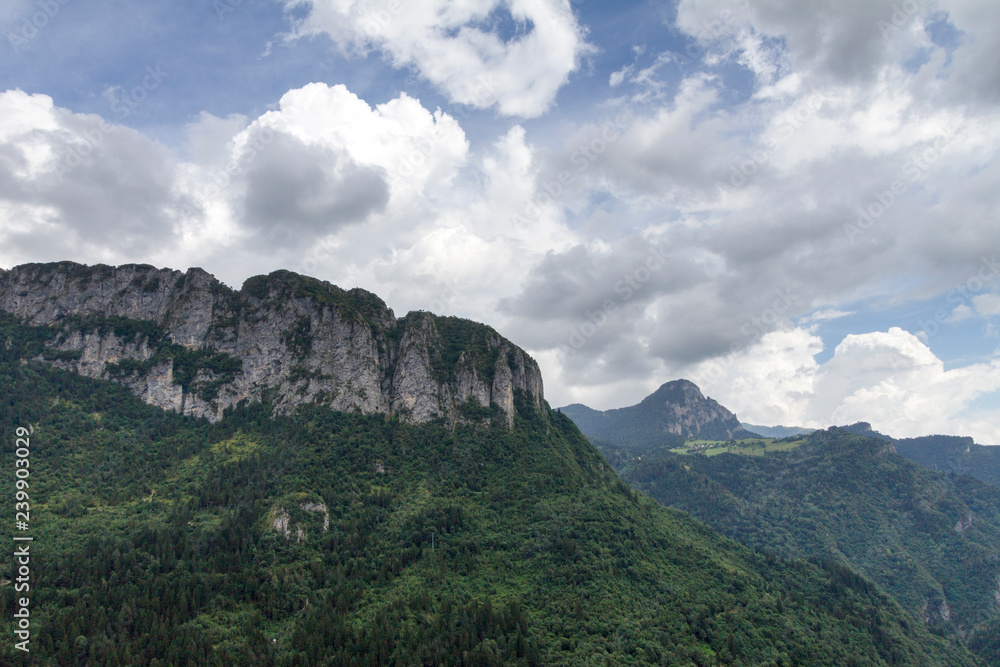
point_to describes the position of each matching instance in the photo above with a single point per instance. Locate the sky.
(793, 204)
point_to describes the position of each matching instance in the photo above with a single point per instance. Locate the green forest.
(330, 538)
(930, 539)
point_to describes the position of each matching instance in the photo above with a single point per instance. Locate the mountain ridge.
(333, 537)
(954, 454)
(778, 431)
(210, 347)
(929, 539)
(309, 519)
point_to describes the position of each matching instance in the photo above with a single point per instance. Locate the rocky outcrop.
(936, 613)
(281, 520)
(186, 342)
(687, 412)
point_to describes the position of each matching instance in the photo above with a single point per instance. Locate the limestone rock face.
(184, 341)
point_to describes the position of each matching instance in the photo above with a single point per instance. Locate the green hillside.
(954, 454)
(330, 538)
(932, 540)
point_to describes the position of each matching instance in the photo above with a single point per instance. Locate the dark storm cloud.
(111, 188)
(308, 190)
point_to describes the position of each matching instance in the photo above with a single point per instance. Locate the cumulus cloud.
(987, 305)
(888, 378)
(314, 189)
(702, 223)
(846, 41)
(483, 236)
(418, 149)
(511, 54)
(72, 184)
(833, 179)
(298, 178)
(75, 185)
(858, 41)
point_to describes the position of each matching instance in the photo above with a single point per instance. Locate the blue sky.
(793, 204)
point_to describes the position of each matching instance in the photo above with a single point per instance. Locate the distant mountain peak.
(676, 391)
(676, 411)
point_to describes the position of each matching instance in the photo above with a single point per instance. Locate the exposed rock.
(963, 526)
(282, 522)
(886, 449)
(936, 613)
(318, 508)
(295, 339)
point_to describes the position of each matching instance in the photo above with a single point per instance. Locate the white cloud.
(619, 76)
(890, 379)
(828, 38)
(72, 185)
(419, 150)
(384, 197)
(961, 313)
(461, 48)
(292, 182)
(987, 305)
(749, 192)
(770, 381)
(826, 315)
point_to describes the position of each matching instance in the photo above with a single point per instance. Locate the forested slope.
(930, 539)
(335, 538)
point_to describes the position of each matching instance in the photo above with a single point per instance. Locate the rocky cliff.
(186, 342)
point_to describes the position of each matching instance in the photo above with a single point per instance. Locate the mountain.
(288, 532)
(960, 455)
(186, 342)
(954, 454)
(776, 431)
(931, 540)
(675, 412)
